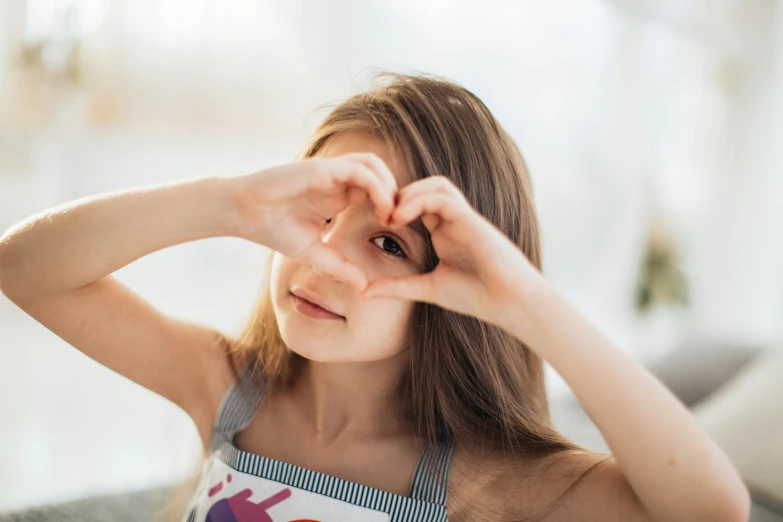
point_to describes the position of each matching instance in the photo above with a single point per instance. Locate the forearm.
(79, 242)
(676, 470)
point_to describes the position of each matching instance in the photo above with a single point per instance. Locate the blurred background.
(652, 130)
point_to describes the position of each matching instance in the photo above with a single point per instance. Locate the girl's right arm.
(56, 266)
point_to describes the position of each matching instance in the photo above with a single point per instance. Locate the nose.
(336, 235)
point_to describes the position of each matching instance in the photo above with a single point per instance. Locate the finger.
(443, 205)
(413, 288)
(327, 260)
(430, 221)
(356, 195)
(337, 174)
(380, 168)
(430, 185)
(360, 175)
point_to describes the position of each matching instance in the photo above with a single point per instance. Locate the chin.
(328, 345)
(310, 355)
(311, 348)
(324, 354)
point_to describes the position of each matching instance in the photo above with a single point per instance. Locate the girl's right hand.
(285, 207)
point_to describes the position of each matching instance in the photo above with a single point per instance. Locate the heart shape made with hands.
(422, 198)
(480, 271)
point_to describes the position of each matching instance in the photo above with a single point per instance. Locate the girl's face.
(373, 329)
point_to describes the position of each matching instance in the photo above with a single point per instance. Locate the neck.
(350, 400)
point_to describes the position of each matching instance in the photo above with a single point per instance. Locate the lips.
(315, 299)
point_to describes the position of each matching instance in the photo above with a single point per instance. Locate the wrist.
(532, 297)
(229, 193)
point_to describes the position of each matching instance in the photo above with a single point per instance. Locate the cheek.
(280, 276)
(382, 331)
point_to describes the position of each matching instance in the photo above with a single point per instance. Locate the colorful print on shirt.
(233, 496)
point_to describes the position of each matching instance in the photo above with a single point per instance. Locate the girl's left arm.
(675, 469)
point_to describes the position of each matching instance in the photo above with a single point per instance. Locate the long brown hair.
(466, 380)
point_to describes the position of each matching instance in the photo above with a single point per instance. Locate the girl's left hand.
(480, 271)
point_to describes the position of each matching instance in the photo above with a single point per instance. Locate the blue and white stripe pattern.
(427, 500)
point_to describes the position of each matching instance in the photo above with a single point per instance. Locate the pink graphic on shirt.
(215, 489)
(239, 508)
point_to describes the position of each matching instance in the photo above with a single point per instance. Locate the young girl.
(393, 367)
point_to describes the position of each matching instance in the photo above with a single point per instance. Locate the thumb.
(413, 288)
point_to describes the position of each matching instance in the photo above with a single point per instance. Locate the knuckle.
(321, 168)
(441, 182)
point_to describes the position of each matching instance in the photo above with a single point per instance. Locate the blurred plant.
(44, 73)
(51, 43)
(661, 280)
(52, 61)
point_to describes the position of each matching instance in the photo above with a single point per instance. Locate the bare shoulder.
(572, 485)
(602, 494)
(222, 371)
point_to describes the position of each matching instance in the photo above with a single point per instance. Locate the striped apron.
(237, 486)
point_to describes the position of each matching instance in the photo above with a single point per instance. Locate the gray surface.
(699, 366)
(761, 513)
(144, 505)
(765, 508)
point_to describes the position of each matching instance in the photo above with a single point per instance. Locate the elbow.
(5, 263)
(9, 264)
(732, 506)
(740, 506)
(728, 505)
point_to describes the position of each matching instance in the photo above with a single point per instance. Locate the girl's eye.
(393, 245)
(396, 250)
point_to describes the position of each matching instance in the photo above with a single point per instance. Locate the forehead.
(349, 142)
